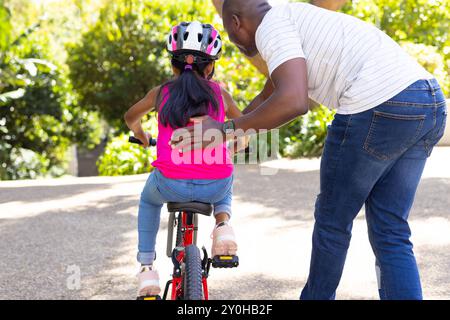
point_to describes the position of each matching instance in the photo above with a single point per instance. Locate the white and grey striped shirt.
(352, 65)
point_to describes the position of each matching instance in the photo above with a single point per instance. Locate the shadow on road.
(36, 251)
(288, 194)
(46, 192)
(291, 195)
(432, 199)
(255, 287)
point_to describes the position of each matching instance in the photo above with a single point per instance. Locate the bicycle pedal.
(225, 261)
(157, 297)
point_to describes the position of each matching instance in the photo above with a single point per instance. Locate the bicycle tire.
(193, 286)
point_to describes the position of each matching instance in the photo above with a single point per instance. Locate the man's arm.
(233, 112)
(231, 109)
(288, 100)
(265, 94)
(261, 97)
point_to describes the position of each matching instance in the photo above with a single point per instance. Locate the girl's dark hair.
(189, 95)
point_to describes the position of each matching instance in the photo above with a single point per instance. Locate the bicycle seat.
(193, 207)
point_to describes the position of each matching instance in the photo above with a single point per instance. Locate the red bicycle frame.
(187, 231)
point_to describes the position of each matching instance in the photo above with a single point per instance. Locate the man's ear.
(236, 22)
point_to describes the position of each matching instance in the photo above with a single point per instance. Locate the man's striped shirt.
(352, 65)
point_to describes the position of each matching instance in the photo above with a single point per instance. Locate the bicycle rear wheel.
(193, 287)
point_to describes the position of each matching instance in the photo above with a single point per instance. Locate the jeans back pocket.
(390, 134)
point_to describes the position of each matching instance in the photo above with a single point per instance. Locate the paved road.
(52, 229)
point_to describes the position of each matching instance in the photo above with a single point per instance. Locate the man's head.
(241, 18)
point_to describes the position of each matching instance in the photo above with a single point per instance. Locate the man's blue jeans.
(375, 158)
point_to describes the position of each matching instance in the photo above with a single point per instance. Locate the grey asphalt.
(58, 231)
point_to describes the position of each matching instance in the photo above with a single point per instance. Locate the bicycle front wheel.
(193, 274)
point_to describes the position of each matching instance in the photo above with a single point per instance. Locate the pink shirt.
(208, 163)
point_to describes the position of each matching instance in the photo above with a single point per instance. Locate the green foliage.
(5, 27)
(430, 59)
(238, 76)
(305, 136)
(117, 62)
(39, 118)
(117, 53)
(424, 22)
(123, 55)
(123, 158)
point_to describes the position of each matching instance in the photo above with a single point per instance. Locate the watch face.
(228, 127)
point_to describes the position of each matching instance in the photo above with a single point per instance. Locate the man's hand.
(239, 144)
(261, 97)
(206, 132)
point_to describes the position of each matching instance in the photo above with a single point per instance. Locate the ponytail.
(190, 96)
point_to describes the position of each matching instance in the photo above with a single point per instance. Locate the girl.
(194, 47)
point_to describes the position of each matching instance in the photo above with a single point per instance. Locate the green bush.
(418, 21)
(430, 59)
(305, 136)
(39, 117)
(123, 55)
(422, 21)
(123, 158)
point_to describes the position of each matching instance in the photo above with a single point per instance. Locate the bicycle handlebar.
(135, 140)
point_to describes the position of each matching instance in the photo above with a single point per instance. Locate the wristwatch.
(228, 127)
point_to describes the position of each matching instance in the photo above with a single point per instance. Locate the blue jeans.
(159, 190)
(375, 158)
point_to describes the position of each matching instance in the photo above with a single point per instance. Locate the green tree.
(123, 55)
(39, 117)
(430, 58)
(422, 22)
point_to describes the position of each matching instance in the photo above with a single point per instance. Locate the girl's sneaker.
(224, 240)
(148, 282)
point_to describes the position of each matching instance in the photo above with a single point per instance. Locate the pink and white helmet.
(196, 38)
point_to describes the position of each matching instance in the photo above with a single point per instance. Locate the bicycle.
(190, 271)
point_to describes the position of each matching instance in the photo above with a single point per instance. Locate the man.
(256, 60)
(390, 114)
